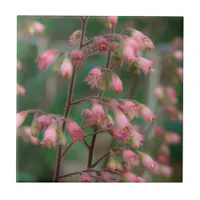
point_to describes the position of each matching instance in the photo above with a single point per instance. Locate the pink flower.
(130, 157)
(173, 112)
(163, 159)
(180, 116)
(44, 121)
(21, 116)
(21, 90)
(172, 95)
(86, 178)
(147, 161)
(66, 68)
(117, 134)
(47, 58)
(166, 171)
(106, 177)
(135, 139)
(117, 85)
(86, 114)
(178, 55)
(77, 57)
(179, 72)
(74, 38)
(145, 65)
(19, 65)
(159, 93)
(111, 164)
(98, 115)
(128, 54)
(130, 177)
(147, 114)
(33, 140)
(142, 39)
(164, 149)
(38, 27)
(112, 20)
(142, 180)
(94, 78)
(172, 138)
(49, 139)
(101, 44)
(137, 135)
(74, 131)
(159, 130)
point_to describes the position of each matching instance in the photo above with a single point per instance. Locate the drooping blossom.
(145, 65)
(172, 138)
(179, 72)
(94, 78)
(113, 20)
(130, 177)
(19, 65)
(77, 57)
(159, 130)
(21, 116)
(46, 59)
(21, 90)
(74, 38)
(180, 116)
(134, 139)
(147, 114)
(178, 55)
(164, 159)
(147, 161)
(130, 157)
(114, 105)
(102, 44)
(159, 94)
(166, 171)
(117, 134)
(33, 140)
(142, 39)
(38, 27)
(66, 68)
(49, 139)
(98, 116)
(111, 164)
(86, 114)
(172, 95)
(142, 180)
(128, 54)
(85, 177)
(164, 149)
(173, 111)
(106, 177)
(116, 83)
(74, 131)
(44, 122)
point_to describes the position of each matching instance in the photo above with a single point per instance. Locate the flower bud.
(86, 178)
(130, 157)
(147, 161)
(111, 164)
(166, 171)
(145, 65)
(66, 68)
(19, 65)
(117, 85)
(172, 95)
(62, 140)
(147, 114)
(163, 159)
(21, 90)
(172, 138)
(21, 116)
(130, 177)
(44, 121)
(112, 20)
(159, 130)
(159, 94)
(77, 57)
(74, 38)
(179, 72)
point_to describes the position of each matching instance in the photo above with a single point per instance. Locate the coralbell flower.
(111, 164)
(44, 121)
(164, 159)
(142, 39)
(147, 114)
(102, 44)
(66, 68)
(86, 178)
(98, 116)
(49, 139)
(77, 57)
(19, 65)
(21, 90)
(128, 54)
(147, 161)
(145, 65)
(130, 157)
(117, 134)
(86, 114)
(142, 180)
(178, 55)
(159, 130)
(74, 38)
(159, 94)
(113, 20)
(46, 59)
(116, 83)
(130, 177)
(21, 116)
(106, 177)
(32, 139)
(172, 95)
(164, 149)
(74, 131)
(166, 171)
(172, 138)
(38, 27)
(179, 72)
(135, 139)
(94, 78)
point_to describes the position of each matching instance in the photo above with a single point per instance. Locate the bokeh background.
(48, 91)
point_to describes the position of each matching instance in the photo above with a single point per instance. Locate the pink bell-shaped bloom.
(74, 38)
(49, 139)
(172, 138)
(180, 116)
(98, 116)
(142, 39)
(128, 54)
(179, 72)
(77, 57)
(142, 180)
(21, 90)
(66, 68)
(38, 27)
(131, 109)
(134, 138)
(130, 157)
(21, 116)
(172, 95)
(19, 65)
(74, 131)
(159, 94)
(137, 135)
(164, 149)
(147, 114)
(147, 161)
(33, 140)
(166, 171)
(159, 130)
(163, 159)
(117, 85)
(102, 44)
(111, 164)
(44, 122)
(86, 114)
(94, 78)
(130, 177)
(178, 55)
(106, 177)
(46, 59)
(113, 20)
(117, 134)
(145, 65)
(86, 178)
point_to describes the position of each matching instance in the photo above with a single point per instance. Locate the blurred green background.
(48, 91)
